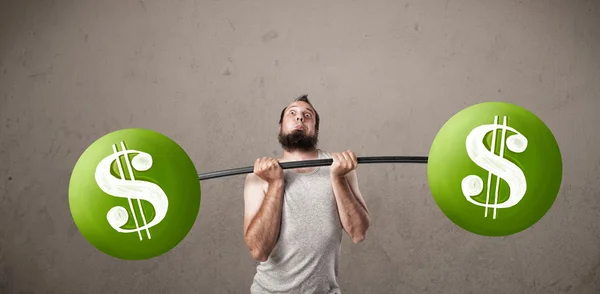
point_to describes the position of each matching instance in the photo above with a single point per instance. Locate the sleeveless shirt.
(306, 256)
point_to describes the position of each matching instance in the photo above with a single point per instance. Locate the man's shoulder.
(252, 178)
(253, 182)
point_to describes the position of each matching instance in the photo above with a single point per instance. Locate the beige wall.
(214, 75)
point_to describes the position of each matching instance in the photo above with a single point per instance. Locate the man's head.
(299, 126)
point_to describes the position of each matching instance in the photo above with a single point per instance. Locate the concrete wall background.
(213, 76)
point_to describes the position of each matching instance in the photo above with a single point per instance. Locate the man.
(294, 219)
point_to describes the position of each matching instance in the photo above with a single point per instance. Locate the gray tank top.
(306, 256)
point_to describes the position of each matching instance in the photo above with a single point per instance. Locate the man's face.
(297, 130)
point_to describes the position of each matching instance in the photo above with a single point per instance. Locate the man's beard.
(297, 140)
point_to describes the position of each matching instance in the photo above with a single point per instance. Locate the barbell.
(135, 193)
(314, 163)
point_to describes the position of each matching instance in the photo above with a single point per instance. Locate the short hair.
(303, 98)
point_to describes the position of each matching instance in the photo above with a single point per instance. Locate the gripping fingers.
(352, 158)
(259, 165)
(269, 166)
(265, 165)
(346, 160)
(256, 165)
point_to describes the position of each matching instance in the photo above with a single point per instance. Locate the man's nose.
(300, 118)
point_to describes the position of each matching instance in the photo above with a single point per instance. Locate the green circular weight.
(134, 194)
(494, 169)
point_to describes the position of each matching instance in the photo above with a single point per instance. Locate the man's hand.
(343, 163)
(268, 169)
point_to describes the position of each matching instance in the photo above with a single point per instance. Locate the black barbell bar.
(313, 163)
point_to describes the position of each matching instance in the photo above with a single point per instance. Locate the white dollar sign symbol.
(131, 189)
(472, 185)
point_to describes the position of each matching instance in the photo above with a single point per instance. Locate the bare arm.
(352, 208)
(262, 215)
(353, 211)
